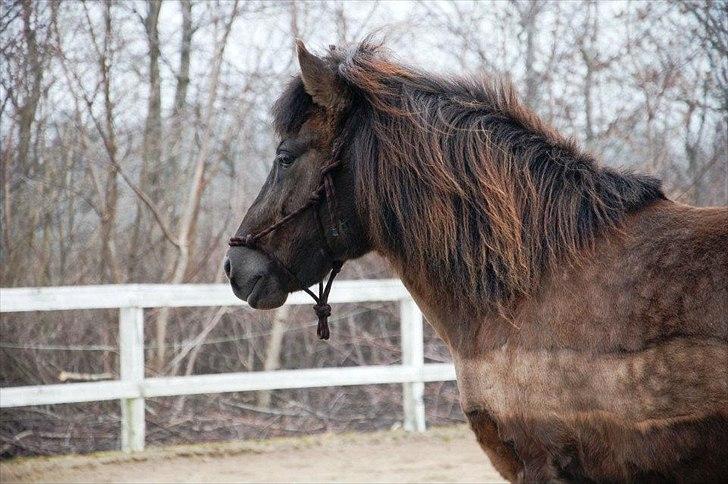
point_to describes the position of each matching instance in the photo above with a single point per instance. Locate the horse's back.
(676, 270)
(662, 275)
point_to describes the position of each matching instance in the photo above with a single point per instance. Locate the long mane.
(459, 181)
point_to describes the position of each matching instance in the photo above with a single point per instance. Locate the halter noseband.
(325, 188)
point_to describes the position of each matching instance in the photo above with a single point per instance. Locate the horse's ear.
(319, 80)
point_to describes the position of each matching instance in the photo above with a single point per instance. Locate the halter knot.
(323, 311)
(315, 197)
(329, 168)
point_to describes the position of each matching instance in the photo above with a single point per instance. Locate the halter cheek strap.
(325, 188)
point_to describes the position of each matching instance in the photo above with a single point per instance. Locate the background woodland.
(136, 133)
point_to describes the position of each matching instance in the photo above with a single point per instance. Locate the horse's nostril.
(227, 267)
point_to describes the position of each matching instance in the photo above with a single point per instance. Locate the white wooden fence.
(132, 387)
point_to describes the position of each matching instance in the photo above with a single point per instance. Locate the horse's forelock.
(292, 108)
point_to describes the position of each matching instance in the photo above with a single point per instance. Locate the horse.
(585, 311)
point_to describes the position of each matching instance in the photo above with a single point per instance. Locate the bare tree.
(711, 30)
(197, 185)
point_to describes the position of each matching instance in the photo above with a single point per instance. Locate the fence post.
(131, 368)
(412, 355)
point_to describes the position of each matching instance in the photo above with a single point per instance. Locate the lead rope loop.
(322, 307)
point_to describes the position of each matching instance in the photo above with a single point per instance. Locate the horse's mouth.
(265, 293)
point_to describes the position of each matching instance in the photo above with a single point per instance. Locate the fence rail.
(132, 387)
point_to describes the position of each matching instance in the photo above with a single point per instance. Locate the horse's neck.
(464, 331)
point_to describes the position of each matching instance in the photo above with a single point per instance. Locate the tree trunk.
(149, 178)
(183, 76)
(176, 128)
(26, 112)
(153, 126)
(528, 15)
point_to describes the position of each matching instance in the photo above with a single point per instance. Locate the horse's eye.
(285, 159)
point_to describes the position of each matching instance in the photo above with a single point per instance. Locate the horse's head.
(308, 198)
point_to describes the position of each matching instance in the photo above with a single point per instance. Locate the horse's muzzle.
(253, 279)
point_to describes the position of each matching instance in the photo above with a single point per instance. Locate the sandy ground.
(447, 454)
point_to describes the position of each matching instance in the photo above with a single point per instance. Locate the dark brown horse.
(587, 314)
